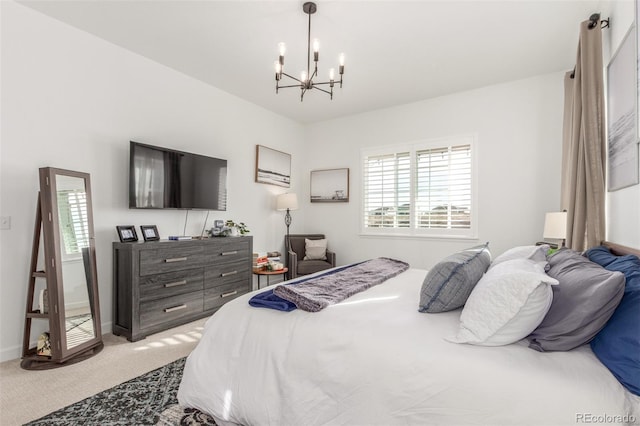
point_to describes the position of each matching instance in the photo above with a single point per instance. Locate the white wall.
(623, 206)
(73, 101)
(519, 129)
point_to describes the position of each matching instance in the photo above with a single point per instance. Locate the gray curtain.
(584, 145)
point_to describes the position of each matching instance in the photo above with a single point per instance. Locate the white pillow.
(315, 249)
(506, 305)
(536, 253)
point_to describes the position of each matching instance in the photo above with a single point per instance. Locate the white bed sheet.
(374, 359)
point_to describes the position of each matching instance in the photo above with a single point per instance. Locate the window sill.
(418, 236)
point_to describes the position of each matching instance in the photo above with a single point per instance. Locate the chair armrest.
(331, 257)
(292, 264)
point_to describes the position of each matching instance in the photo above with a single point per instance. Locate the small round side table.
(269, 273)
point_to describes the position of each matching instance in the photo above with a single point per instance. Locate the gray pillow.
(582, 303)
(448, 284)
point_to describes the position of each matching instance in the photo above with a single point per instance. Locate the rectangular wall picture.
(273, 167)
(330, 186)
(622, 120)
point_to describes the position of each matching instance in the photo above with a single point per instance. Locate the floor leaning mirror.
(62, 296)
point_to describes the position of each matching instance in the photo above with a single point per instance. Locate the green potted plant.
(235, 229)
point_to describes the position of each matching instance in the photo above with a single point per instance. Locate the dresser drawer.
(225, 273)
(228, 250)
(170, 308)
(215, 297)
(170, 259)
(170, 284)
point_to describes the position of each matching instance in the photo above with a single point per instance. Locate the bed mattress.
(374, 359)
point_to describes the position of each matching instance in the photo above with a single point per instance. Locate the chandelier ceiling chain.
(305, 82)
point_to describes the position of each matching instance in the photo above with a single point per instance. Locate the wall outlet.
(5, 222)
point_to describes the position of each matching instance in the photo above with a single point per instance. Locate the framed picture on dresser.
(150, 232)
(127, 233)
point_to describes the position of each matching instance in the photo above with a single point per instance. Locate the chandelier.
(306, 82)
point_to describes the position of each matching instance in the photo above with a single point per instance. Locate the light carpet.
(28, 395)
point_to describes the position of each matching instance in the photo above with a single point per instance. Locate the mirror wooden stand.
(69, 306)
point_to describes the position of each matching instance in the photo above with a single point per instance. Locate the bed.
(374, 359)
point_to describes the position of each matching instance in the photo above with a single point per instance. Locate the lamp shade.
(555, 225)
(287, 201)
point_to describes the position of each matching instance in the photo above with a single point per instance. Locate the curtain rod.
(593, 21)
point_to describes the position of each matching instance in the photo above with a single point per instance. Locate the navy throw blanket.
(267, 299)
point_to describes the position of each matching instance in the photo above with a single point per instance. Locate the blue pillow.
(617, 345)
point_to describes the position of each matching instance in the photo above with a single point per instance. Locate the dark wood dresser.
(161, 284)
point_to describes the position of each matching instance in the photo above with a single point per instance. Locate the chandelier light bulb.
(332, 74)
(282, 48)
(278, 66)
(341, 59)
(316, 45)
(303, 76)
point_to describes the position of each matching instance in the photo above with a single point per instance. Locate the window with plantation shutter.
(424, 189)
(74, 228)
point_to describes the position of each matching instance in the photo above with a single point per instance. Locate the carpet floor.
(148, 399)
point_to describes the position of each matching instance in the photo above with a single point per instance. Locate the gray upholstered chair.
(296, 252)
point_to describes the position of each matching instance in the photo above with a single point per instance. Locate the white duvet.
(374, 359)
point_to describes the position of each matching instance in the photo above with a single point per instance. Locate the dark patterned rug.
(146, 400)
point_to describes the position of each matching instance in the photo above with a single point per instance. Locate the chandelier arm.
(322, 90)
(291, 77)
(320, 82)
(292, 85)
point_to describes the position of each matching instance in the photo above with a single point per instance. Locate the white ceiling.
(396, 51)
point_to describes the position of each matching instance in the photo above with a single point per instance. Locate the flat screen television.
(161, 178)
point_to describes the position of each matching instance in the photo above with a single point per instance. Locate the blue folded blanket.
(316, 292)
(267, 299)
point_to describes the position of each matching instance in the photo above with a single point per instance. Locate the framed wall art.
(622, 118)
(330, 186)
(273, 167)
(637, 25)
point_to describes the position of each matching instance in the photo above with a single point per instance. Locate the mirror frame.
(53, 266)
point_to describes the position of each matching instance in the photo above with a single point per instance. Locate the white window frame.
(75, 231)
(413, 148)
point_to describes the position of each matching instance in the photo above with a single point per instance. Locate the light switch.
(5, 222)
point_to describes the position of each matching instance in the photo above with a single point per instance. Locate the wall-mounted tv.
(161, 178)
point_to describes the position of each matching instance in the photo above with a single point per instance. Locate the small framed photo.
(127, 233)
(149, 232)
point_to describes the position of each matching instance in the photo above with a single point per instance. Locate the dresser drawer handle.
(229, 253)
(175, 284)
(231, 293)
(175, 259)
(226, 274)
(175, 308)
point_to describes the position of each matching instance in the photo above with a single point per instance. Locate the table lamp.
(555, 226)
